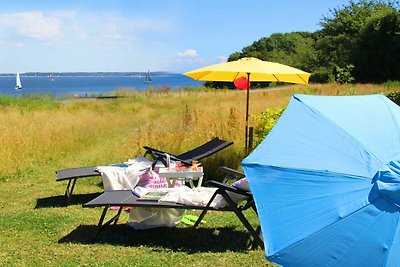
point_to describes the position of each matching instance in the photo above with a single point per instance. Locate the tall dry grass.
(78, 133)
(39, 136)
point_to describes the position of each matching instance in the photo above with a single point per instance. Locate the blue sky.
(136, 35)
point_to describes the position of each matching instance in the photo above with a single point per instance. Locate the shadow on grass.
(61, 201)
(188, 239)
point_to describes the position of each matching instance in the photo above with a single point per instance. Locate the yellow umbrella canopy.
(252, 68)
(259, 70)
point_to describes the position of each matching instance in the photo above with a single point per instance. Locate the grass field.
(40, 135)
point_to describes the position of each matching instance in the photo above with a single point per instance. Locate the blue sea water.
(74, 85)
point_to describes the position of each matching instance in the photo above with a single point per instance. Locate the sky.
(140, 35)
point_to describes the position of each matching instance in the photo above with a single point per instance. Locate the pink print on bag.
(151, 179)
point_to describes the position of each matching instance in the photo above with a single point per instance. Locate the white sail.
(18, 85)
(147, 78)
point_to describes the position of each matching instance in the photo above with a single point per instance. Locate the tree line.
(357, 42)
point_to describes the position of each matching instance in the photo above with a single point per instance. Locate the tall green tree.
(377, 56)
(358, 34)
(359, 40)
(295, 49)
(338, 37)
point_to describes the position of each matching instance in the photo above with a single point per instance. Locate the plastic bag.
(151, 179)
(146, 218)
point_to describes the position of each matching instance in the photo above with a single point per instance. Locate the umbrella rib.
(341, 128)
(322, 229)
(320, 172)
(302, 79)
(237, 75)
(386, 260)
(393, 116)
(277, 79)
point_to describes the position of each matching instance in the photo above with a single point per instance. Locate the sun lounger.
(72, 175)
(125, 198)
(198, 153)
(205, 150)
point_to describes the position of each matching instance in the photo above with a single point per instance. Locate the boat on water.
(18, 85)
(147, 78)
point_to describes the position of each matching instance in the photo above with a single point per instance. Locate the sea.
(90, 84)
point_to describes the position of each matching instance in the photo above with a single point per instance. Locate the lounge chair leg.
(70, 189)
(114, 219)
(100, 224)
(255, 244)
(258, 231)
(243, 219)
(117, 216)
(203, 213)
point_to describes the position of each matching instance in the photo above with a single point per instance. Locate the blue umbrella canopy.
(326, 182)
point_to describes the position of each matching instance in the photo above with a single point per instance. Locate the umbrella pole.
(247, 112)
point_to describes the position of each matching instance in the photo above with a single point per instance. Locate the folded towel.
(123, 177)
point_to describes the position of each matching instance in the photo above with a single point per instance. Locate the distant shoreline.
(90, 83)
(90, 74)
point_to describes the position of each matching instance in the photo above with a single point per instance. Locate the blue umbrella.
(326, 182)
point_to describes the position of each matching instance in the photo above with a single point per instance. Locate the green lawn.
(41, 135)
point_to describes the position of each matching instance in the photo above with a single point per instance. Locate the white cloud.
(222, 59)
(32, 24)
(65, 27)
(11, 44)
(189, 53)
(113, 31)
(190, 56)
(64, 14)
(190, 59)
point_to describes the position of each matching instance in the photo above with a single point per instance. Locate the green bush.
(267, 120)
(29, 102)
(199, 89)
(321, 75)
(394, 96)
(344, 75)
(393, 85)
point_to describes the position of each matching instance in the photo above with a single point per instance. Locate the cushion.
(242, 184)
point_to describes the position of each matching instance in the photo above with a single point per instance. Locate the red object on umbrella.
(241, 83)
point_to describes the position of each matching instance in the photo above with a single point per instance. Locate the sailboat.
(147, 78)
(18, 85)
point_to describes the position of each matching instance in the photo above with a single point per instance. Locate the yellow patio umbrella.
(255, 70)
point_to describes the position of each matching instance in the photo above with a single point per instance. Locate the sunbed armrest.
(226, 187)
(231, 171)
(152, 151)
(159, 155)
(162, 158)
(232, 175)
